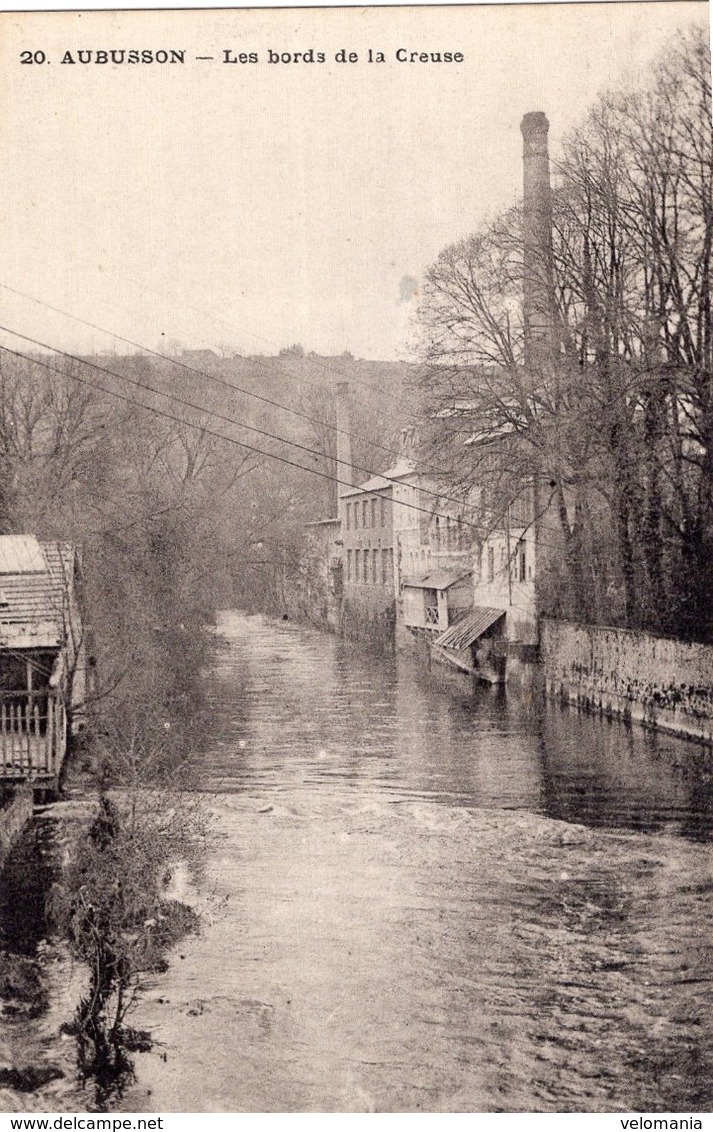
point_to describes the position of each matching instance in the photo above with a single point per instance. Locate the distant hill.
(278, 393)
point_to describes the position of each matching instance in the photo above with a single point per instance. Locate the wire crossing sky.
(220, 202)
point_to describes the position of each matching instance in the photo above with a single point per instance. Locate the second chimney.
(345, 471)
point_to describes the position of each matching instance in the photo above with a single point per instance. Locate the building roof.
(438, 579)
(402, 468)
(21, 554)
(468, 628)
(324, 522)
(35, 579)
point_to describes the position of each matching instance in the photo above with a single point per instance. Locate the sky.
(247, 207)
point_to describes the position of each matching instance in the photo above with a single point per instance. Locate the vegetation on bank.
(113, 905)
(93, 879)
(134, 496)
(172, 522)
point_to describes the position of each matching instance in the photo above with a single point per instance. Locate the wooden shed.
(42, 669)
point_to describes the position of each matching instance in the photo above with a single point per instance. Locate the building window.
(491, 563)
(375, 566)
(349, 565)
(521, 510)
(438, 532)
(357, 565)
(390, 553)
(384, 567)
(383, 511)
(349, 516)
(522, 556)
(356, 516)
(373, 512)
(364, 514)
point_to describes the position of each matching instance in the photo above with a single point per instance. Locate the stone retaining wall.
(657, 681)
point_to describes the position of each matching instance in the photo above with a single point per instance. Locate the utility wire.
(194, 424)
(222, 417)
(332, 370)
(221, 381)
(268, 342)
(480, 528)
(328, 367)
(207, 431)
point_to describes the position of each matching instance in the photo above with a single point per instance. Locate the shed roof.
(21, 554)
(468, 628)
(34, 585)
(438, 579)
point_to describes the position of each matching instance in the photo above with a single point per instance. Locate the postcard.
(356, 545)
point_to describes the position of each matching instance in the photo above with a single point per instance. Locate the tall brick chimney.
(345, 471)
(539, 329)
(538, 282)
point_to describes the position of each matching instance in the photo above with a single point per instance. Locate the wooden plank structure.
(33, 737)
(41, 657)
(467, 644)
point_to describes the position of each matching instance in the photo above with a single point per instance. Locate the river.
(428, 896)
(422, 895)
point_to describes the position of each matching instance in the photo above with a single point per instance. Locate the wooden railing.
(33, 735)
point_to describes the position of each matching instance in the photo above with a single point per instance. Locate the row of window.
(450, 534)
(366, 513)
(518, 569)
(371, 566)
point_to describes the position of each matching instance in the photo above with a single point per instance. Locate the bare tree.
(634, 237)
(614, 427)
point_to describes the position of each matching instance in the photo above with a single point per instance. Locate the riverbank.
(39, 982)
(91, 877)
(15, 813)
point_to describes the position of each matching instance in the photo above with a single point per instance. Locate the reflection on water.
(294, 710)
(396, 918)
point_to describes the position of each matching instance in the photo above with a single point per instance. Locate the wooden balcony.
(33, 736)
(431, 618)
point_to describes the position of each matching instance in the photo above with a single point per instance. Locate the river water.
(422, 895)
(427, 896)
